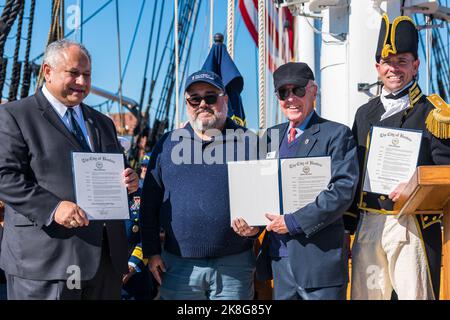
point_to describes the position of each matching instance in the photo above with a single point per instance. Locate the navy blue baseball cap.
(207, 77)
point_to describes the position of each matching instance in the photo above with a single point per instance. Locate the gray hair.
(54, 51)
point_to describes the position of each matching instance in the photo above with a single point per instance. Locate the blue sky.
(100, 37)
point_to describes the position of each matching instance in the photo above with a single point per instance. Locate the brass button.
(425, 218)
(135, 228)
(382, 198)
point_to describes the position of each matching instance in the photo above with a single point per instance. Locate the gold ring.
(74, 223)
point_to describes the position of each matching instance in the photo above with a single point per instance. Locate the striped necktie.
(76, 130)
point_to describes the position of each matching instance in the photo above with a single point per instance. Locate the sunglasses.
(283, 93)
(209, 99)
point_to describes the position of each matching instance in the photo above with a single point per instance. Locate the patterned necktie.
(76, 130)
(292, 134)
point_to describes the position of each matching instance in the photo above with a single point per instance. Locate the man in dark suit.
(49, 249)
(2, 274)
(306, 249)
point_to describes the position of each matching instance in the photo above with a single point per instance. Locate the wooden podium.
(428, 191)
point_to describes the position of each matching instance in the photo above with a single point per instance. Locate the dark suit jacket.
(35, 175)
(317, 253)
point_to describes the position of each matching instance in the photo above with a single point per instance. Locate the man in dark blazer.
(307, 249)
(49, 249)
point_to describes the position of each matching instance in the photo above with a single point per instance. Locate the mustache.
(200, 110)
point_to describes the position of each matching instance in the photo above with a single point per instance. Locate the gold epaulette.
(438, 120)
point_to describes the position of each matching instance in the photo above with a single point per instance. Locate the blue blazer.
(317, 251)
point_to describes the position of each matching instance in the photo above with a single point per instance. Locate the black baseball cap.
(205, 76)
(295, 73)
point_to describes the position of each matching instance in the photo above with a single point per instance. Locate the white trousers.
(389, 254)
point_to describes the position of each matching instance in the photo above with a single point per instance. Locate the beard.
(215, 122)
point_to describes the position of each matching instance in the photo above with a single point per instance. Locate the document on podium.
(391, 159)
(99, 187)
(275, 186)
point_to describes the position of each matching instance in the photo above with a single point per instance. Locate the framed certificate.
(99, 187)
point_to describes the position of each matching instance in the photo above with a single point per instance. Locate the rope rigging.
(440, 81)
(136, 28)
(164, 104)
(154, 77)
(83, 22)
(15, 78)
(261, 63)
(144, 125)
(142, 119)
(27, 67)
(9, 15)
(56, 31)
(188, 55)
(441, 64)
(161, 119)
(122, 120)
(188, 13)
(147, 58)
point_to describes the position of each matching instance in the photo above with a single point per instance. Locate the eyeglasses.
(209, 99)
(283, 93)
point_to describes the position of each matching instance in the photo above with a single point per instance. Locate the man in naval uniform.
(138, 283)
(392, 253)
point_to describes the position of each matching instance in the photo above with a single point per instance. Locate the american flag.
(249, 12)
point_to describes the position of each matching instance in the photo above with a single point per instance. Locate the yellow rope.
(56, 32)
(230, 28)
(262, 63)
